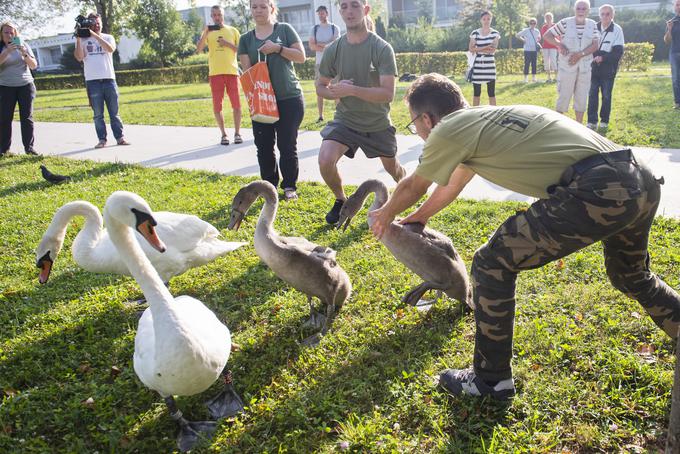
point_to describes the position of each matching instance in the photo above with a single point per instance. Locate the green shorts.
(379, 144)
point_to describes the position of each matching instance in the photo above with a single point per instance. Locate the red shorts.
(218, 84)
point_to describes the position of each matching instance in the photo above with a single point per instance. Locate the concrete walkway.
(198, 148)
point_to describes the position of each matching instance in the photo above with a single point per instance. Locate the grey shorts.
(374, 144)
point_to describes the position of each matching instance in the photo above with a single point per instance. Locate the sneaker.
(676, 107)
(333, 216)
(604, 125)
(289, 194)
(101, 144)
(319, 120)
(592, 126)
(32, 152)
(465, 381)
(122, 141)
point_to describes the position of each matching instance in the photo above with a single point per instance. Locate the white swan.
(181, 347)
(190, 242)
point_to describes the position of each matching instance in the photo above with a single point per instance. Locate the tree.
(68, 60)
(115, 14)
(237, 14)
(159, 23)
(33, 14)
(510, 17)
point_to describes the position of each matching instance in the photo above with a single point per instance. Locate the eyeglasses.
(532, 23)
(411, 127)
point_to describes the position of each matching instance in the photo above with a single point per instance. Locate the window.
(300, 18)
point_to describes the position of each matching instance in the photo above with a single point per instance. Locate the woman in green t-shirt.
(282, 47)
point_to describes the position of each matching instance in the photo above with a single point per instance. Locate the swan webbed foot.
(227, 403)
(316, 321)
(189, 432)
(414, 297)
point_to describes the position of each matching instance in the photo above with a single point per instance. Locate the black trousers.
(9, 96)
(530, 57)
(284, 134)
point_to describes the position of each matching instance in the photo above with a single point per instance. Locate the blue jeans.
(605, 85)
(100, 92)
(675, 75)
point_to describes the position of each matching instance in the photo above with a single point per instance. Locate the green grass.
(642, 112)
(583, 386)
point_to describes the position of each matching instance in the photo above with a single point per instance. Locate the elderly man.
(605, 64)
(588, 189)
(577, 38)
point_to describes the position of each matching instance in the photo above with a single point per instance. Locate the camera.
(213, 28)
(83, 25)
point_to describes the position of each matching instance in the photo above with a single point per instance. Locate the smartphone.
(16, 41)
(213, 28)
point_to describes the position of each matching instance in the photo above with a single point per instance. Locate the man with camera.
(222, 41)
(95, 50)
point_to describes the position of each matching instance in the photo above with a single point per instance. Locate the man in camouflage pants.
(588, 188)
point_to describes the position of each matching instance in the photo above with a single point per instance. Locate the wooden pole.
(673, 442)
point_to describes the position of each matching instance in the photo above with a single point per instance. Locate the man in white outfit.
(576, 38)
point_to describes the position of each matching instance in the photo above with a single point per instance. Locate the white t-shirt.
(98, 63)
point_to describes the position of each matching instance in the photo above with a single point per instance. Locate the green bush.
(637, 57)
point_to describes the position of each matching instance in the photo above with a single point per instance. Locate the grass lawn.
(642, 112)
(593, 372)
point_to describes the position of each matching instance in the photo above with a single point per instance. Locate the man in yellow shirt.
(222, 41)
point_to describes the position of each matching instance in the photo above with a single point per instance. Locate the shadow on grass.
(354, 387)
(96, 171)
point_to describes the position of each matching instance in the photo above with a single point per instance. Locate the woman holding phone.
(16, 86)
(281, 46)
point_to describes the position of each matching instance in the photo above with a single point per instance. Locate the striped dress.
(484, 68)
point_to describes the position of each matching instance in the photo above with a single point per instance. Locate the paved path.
(197, 148)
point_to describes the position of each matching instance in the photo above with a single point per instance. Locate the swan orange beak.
(45, 265)
(148, 231)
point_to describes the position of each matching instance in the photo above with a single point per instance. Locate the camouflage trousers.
(607, 197)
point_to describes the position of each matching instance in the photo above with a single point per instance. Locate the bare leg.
(237, 121)
(220, 122)
(475, 101)
(329, 155)
(492, 101)
(579, 116)
(394, 168)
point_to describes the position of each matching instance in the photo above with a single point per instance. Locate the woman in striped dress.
(483, 43)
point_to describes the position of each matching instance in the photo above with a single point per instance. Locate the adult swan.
(191, 242)
(181, 347)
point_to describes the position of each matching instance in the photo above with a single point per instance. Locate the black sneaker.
(319, 120)
(465, 381)
(32, 152)
(333, 216)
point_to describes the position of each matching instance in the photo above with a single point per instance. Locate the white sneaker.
(592, 126)
(604, 125)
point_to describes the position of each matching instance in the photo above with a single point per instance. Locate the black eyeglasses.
(411, 127)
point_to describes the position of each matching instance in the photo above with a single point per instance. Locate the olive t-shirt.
(281, 71)
(363, 63)
(521, 148)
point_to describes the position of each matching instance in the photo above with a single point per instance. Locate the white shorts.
(550, 59)
(572, 83)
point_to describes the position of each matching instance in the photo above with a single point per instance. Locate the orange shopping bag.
(257, 86)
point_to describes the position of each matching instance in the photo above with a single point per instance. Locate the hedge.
(637, 57)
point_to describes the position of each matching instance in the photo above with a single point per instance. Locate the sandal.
(237, 138)
(225, 140)
(289, 194)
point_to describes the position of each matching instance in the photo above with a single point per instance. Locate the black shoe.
(319, 120)
(333, 216)
(32, 152)
(465, 381)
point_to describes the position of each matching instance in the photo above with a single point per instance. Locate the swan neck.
(380, 191)
(137, 263)
(93, 221)
(268, 212)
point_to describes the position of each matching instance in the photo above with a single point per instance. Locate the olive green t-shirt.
(281, 70)
(363, 63)
(521, 148)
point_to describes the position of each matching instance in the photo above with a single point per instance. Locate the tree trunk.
(673, 442)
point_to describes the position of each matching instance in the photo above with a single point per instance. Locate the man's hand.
(564, 50)
(342, 88)
(575, 57)
(381, 221)
(414, 217)
(669, 24)
(598, 59)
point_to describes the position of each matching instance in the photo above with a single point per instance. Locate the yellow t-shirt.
(521, 148)
(221, 59)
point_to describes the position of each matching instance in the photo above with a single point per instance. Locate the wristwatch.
(280, 48)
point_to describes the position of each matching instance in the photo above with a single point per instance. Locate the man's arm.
(79, 52)
(322, 89)
(408, 192)
(107, 46)
(201, 42)
(379, 95)
(667, 36)
(442, 196)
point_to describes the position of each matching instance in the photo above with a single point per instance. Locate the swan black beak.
(45, 265)
(235, 220)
